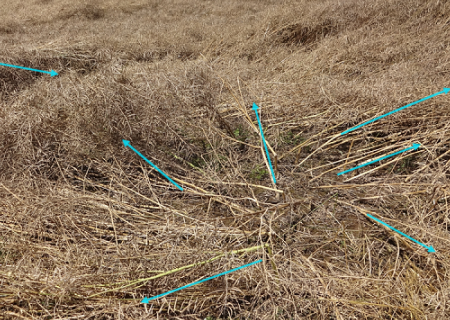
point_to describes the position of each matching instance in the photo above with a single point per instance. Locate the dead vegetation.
(88, 229)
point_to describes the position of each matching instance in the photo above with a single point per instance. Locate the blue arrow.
(146, 300)
(127, 144)
(51, 73)
(255, 107)
(430, 248)
(415, 147)
(446, 90)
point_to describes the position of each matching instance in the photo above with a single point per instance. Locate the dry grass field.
(88, 228)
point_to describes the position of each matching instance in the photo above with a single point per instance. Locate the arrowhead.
(255, 107)
(446, 90)
(416, 146)
(126, 143)
(431, 249)
(145, 300)
(53, 73)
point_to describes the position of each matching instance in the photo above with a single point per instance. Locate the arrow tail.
(24, 68)
(392, 112)
(376, 160)
(265, 146)
(392, 228)
(146, 300)
(155, 167)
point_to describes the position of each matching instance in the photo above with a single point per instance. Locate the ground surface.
(88, 228)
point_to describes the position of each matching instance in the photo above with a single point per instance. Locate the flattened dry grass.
(88, 228)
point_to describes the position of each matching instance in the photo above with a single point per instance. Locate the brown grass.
(88, 228)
